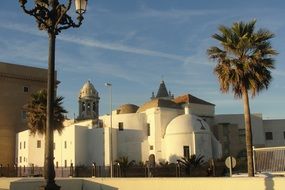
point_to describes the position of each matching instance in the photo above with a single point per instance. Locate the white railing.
(271, 159)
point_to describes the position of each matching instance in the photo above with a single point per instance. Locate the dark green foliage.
(189, 163)
(164, 163)
(124, 164)
(36, 111)
(244, 64)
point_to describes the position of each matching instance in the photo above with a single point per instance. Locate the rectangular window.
(241, 135)
(65, 163)
(121, 126)
(65, 144)
(26, 89)
(24, 115)
(186, 151)
(24, 144)
(20, 159)
(38, 144)
(241, 132)
(148, 129)
(151, 147)
(268, 136)
(20, 145)
(225, 130)
(56, 164)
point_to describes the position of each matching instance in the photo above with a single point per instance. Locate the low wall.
(210, 183)
(5, 182)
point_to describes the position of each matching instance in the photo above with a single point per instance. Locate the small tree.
(124, 163)
(164, 163)
(189, 163)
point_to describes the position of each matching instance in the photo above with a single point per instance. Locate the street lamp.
(52, 17)
(111, 145)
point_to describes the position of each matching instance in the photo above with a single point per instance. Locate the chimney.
(187, 109)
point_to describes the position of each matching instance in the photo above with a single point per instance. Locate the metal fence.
(172, 170)
(270, 159)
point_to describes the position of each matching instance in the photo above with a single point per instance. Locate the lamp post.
(52, 17)
(111, 145)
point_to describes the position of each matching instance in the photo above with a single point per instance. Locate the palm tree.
(243, 65)
(164, 163)
(36, 113)
(190, 162)
(124, 164)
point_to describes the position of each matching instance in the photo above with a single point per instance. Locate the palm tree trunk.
(248, 133)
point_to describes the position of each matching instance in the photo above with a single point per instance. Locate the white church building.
(165, 127)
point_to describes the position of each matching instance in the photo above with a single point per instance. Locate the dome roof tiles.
(127, 108)
(159, 102)
(188, 98)
(88, 90)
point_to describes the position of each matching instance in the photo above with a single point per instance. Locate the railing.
(271, 159)
(172, 170)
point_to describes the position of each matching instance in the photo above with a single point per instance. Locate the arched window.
(94, 106)
(88, 107)
(83, 106)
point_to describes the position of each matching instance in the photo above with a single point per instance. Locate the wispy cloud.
(122, 48)
(95, 43)
(21, 28)
(177, 13)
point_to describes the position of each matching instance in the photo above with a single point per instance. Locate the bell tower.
(88, 102)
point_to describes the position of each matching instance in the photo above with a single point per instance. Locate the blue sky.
(134, 44)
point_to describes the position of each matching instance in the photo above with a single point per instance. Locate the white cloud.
(120, 47)
(95, 43)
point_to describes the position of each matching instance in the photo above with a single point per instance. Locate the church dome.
(187, 123)
(127, 108)
(88, 90)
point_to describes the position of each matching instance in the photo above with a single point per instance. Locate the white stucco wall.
(189, 130)
(36, 155)
(64, 151)
(22, 153)
(203, 145)
(81, 145)
(27, 152)
(159, 118)
(95, 146)
(174, 146)
(129, 140)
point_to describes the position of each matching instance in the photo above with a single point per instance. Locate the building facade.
(17, 83)
(166, 128)
(230, 131)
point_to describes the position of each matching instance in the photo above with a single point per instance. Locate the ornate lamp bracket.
(52, 16)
